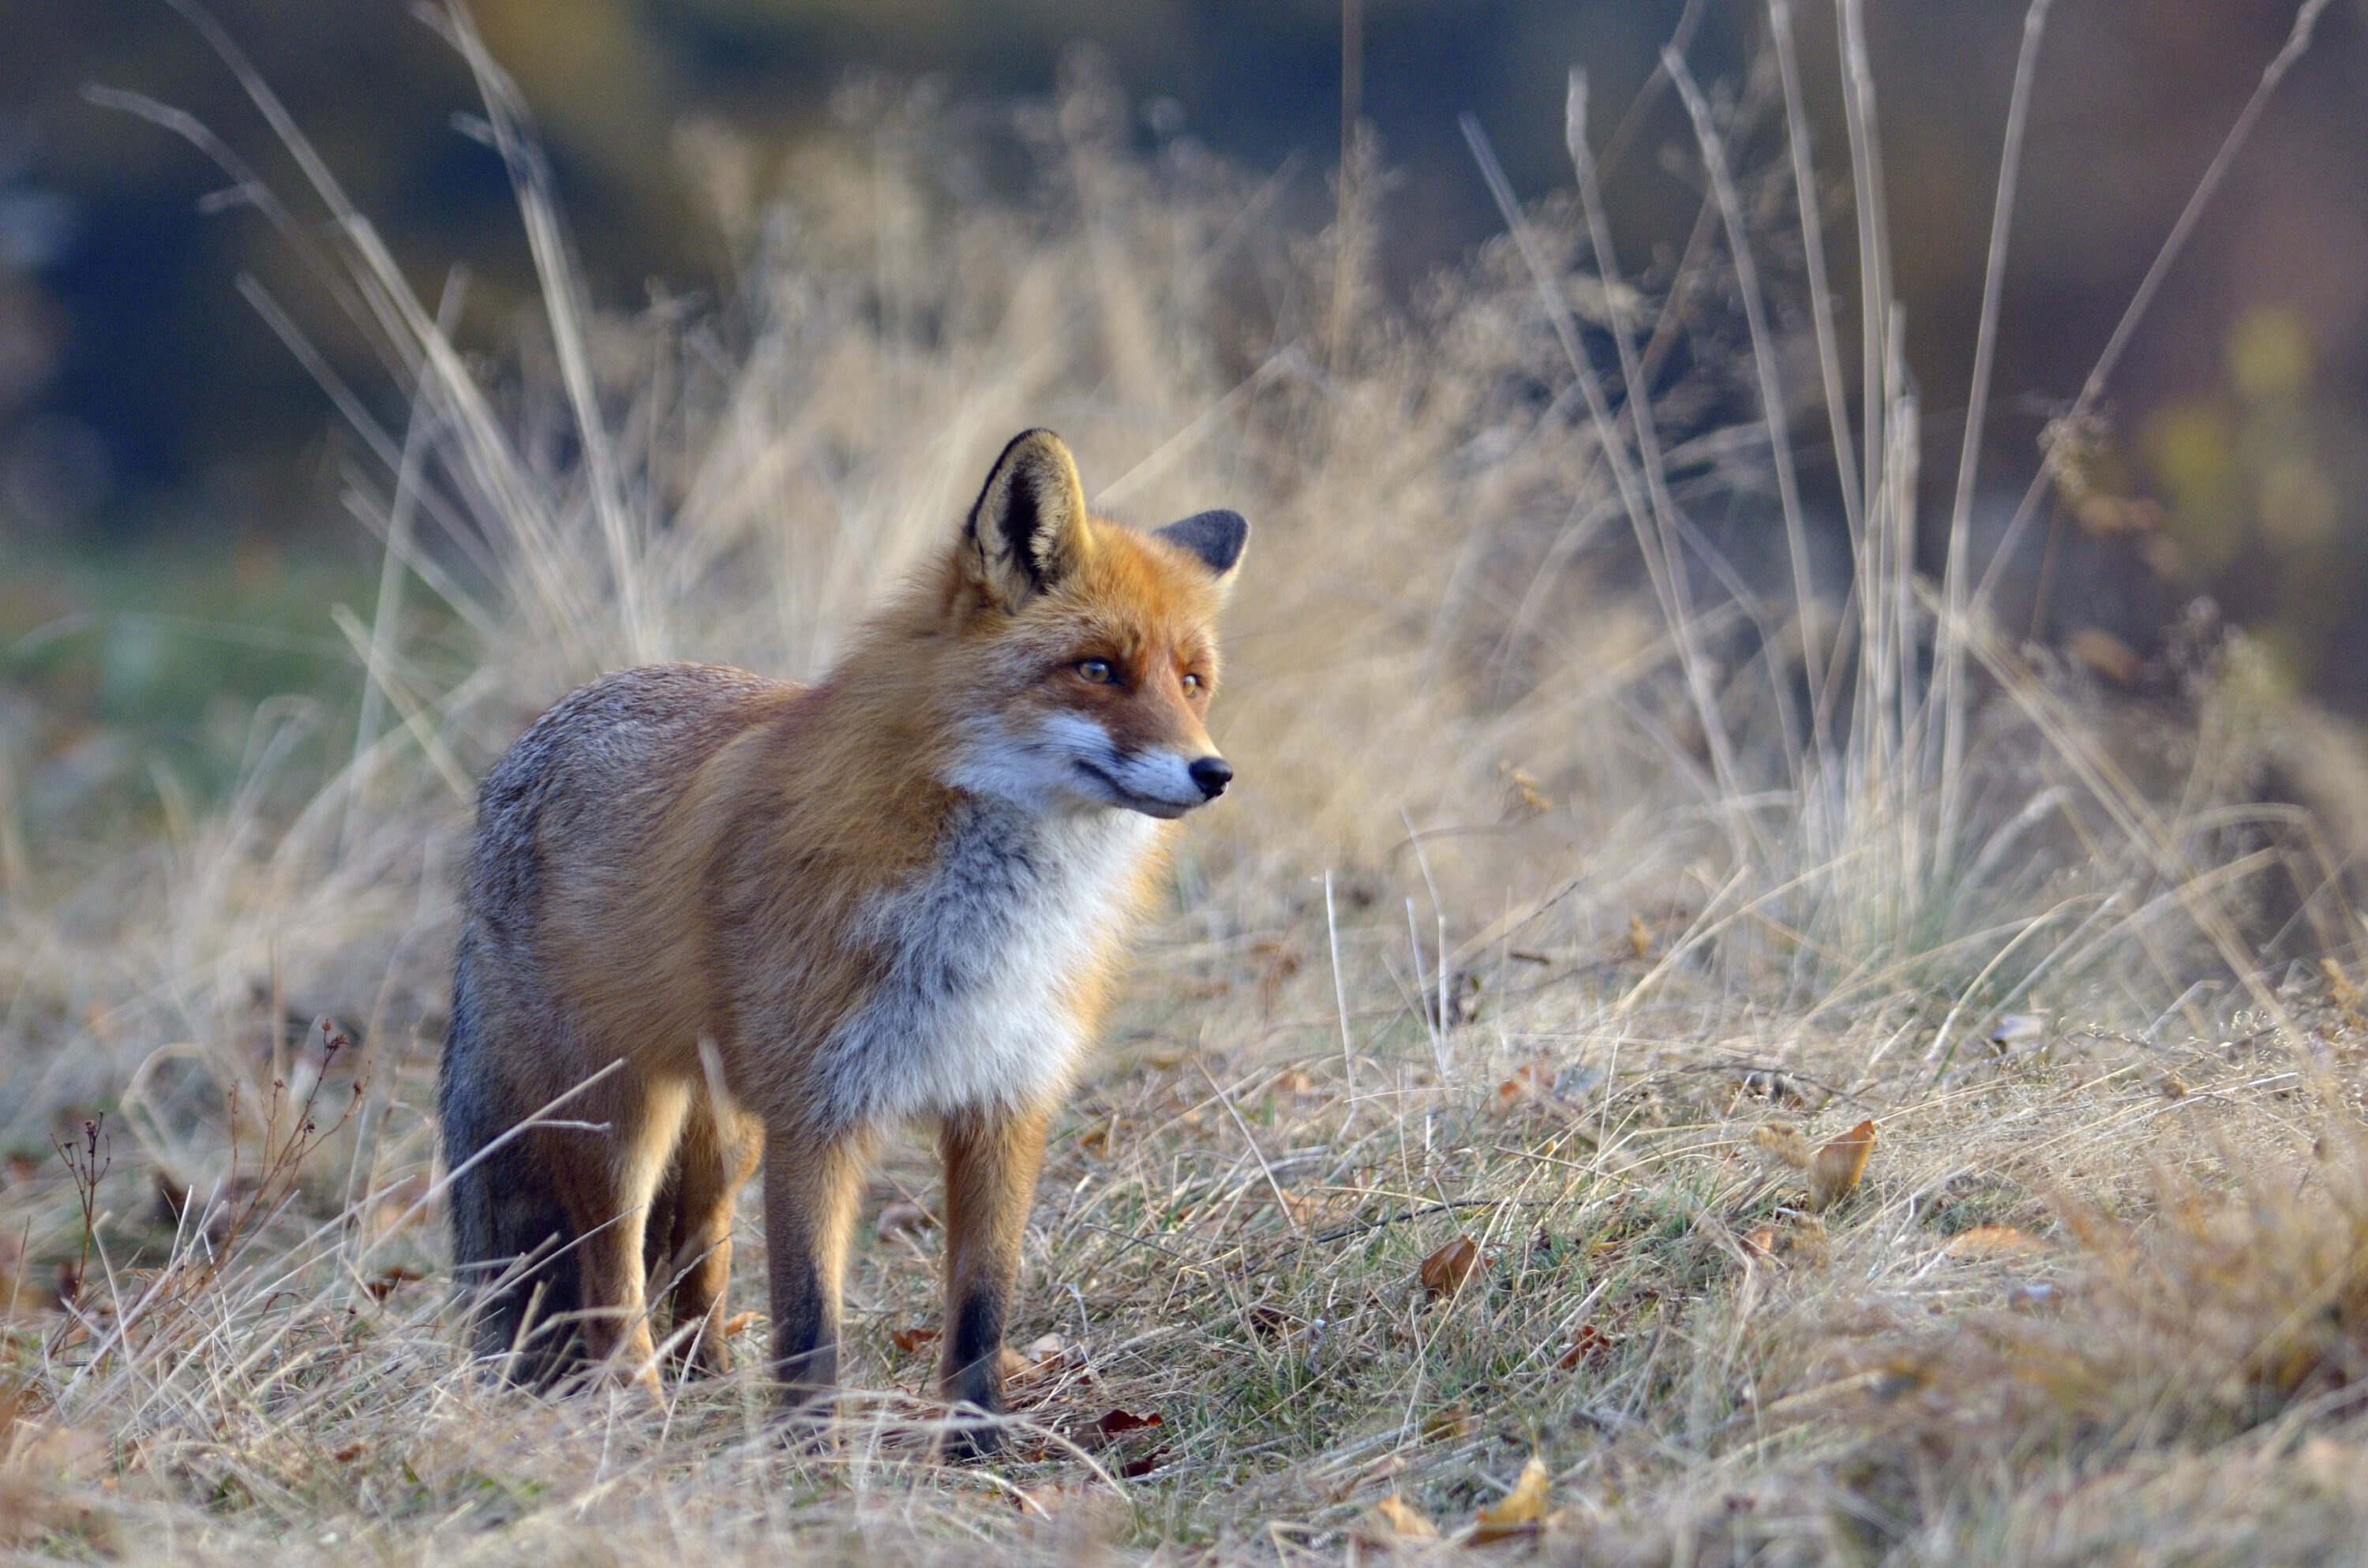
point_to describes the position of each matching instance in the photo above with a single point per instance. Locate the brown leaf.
(908, 1340)
(1590, 1344)
(1116, 1423)
(1450, 1424)
(1401, 1521)
(1839, 1165)
(1137, 1469)
(1640, 937)
(1534, 1081)
(1761, 1243)
(738, 1323)
(1985, 1241)
(902, 1217)
(388, 1281)
(350, 1453)
(1521, 1511)
(1444, 1271)
(1041, 1364)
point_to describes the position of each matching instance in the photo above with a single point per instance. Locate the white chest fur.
(976, 951)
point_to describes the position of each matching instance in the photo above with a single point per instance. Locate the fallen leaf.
(1640, 936)
(1400, 1520)
(1450, 1424)
(1781, 1142)
(348, 1454)
(903, 1217)
(1040, 1364)
(1987, 1242)
(1118, 1422)
(1295, 1082)
(1137, 1469)
(1444, 1271)
(388, 1281)
(1839, 1165)
(1521, 1511)
(2172, 1085)
(738, 1323)
(908, 1340)
(1590, 1344)
(1761, 1243)
(1534, 1081)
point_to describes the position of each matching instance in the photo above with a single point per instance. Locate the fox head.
(1086, 649)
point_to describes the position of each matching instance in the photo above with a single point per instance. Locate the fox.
(713, 923)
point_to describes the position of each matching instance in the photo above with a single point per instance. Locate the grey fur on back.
(586, 765)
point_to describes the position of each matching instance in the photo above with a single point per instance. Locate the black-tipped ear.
(1027, 529)
(1217, 538)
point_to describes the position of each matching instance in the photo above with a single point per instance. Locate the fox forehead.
(1134, 596)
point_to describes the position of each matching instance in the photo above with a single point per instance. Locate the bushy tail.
(513, 1251)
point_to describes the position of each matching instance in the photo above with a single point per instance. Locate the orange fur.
(944, 839)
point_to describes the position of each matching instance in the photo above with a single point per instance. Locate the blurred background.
(171, 532)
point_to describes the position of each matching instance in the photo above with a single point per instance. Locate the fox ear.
(1216, 538)
(1027, 529)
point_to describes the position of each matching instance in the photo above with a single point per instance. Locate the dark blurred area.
(160, 449)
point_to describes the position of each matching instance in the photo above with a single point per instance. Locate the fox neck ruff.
(983, 954)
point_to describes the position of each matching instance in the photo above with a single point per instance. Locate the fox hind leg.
(608, 1195)
(690, 1251)
(513, 1249)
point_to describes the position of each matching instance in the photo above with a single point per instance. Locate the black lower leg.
(806, 1343)
(973, 1373)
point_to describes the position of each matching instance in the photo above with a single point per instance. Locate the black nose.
(1212, 774)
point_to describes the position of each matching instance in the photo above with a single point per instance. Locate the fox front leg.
(811, 1188)
(991, 1160)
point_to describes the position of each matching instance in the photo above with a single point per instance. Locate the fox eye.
(1192, 684)
(1097, 671)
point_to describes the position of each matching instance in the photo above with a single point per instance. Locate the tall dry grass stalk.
(1688, 831)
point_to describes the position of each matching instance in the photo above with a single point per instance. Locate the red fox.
(784, 919)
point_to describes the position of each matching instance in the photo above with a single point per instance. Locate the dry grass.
(1539, 916)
